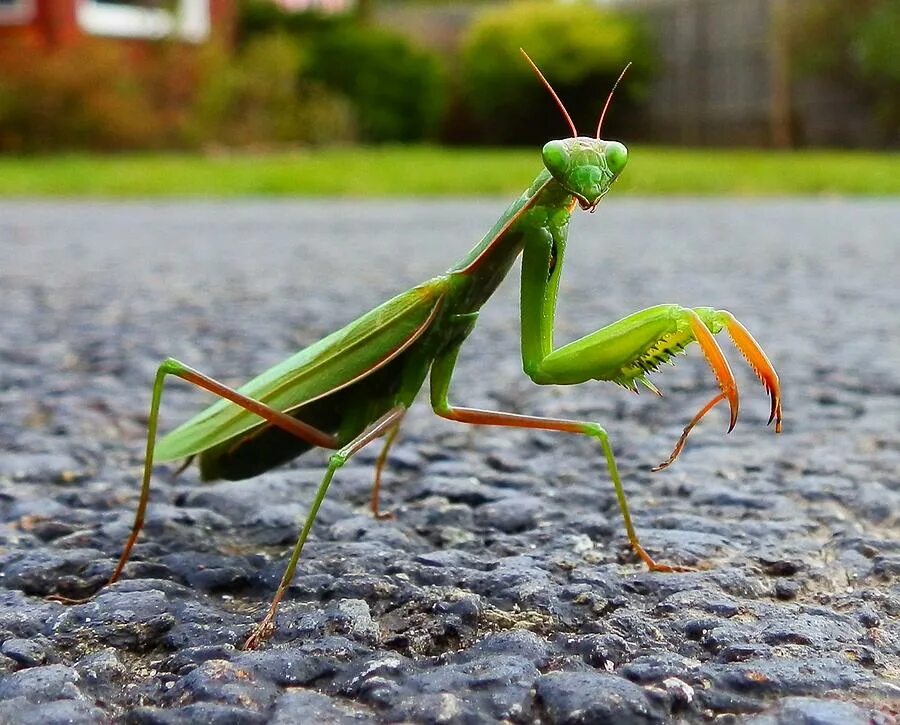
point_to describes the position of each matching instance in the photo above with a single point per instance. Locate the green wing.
(322, 368)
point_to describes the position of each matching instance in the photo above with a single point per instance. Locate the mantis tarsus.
(356, 384)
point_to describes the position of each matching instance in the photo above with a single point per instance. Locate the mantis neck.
(543, 209)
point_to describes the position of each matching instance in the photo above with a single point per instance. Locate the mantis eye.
(556, 158)
(616, 157)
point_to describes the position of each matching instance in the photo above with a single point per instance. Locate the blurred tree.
(578, 46)
(365, 10)
(396, 88)
(261, 97)
(84, 96)
(89, 96)
(260, 17)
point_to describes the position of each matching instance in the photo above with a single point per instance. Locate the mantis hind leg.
(388, 422)
(171, 366)
(441, 374)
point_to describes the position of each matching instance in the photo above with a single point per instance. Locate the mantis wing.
(334, 362)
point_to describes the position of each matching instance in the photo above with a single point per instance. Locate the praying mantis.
(356, 384)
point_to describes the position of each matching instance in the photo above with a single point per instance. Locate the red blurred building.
(52, 23)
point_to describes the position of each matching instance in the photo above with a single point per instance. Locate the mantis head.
(583, 166)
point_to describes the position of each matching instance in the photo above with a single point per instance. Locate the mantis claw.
(759, 363)
(756, 359)
(721, 369)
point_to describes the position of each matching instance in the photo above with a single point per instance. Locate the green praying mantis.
(356, 384)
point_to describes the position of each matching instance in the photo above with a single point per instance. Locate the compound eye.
(556, 158)
(616, 157)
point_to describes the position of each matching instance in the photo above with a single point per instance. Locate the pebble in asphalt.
(503, 590)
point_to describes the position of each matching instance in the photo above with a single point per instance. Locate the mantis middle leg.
(379, 468)
(387, 422)
(441, 374)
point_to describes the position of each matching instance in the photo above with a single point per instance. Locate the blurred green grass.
(435, 171)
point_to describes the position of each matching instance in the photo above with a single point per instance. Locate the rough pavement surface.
(504, 589)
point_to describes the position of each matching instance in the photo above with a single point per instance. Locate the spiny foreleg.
(715, 321)
(627, 351)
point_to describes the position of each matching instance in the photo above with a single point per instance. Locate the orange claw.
(722, 370)
(719, 365)
(760, 364)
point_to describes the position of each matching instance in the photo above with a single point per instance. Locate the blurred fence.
(725, 77)
(718, 76)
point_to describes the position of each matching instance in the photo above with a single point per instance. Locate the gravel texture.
(504, 589)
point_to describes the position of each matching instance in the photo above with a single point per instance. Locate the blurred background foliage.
(300, 79)
(265, 95)
(580, 48)
(396, 88)
(305, 78)
(856, 44)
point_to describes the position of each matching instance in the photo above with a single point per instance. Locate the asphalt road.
(504, 589)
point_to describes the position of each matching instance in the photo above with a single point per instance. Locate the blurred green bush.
(87, 97)
(396, 89)
(261, 97)
(854, 44)
(263, 17)
(300, 78)
(580, 48)
(99, 95)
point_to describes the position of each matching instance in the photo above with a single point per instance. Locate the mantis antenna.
(547, 85)
(609, 97)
